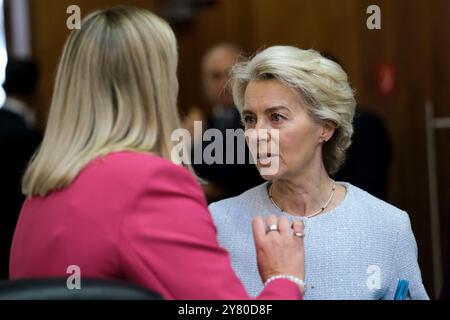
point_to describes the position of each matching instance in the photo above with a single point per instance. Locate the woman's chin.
(268, 168)
(268, 174)
(268, 178)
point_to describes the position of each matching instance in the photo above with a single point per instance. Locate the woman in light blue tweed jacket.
(298, 108)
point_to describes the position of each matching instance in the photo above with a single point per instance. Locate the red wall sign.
(386, 79)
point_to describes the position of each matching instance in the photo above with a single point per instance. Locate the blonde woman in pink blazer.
(104, 193)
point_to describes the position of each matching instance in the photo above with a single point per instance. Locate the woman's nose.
(261, 125)
(263, 135)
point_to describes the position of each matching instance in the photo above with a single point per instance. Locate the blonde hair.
(116, 89)
(322, 83)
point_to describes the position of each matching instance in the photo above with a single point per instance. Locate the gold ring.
(299, 234)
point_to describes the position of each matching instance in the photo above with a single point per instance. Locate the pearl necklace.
(333, 189)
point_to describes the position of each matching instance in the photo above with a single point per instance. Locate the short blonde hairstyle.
(322, 83)
(116, 89)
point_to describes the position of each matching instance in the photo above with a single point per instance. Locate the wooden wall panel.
(49, 32)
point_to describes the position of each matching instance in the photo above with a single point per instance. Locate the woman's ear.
(328, 128)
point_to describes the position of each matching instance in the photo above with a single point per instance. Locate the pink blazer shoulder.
(134, 217)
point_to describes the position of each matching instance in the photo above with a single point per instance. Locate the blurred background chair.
(56, 289)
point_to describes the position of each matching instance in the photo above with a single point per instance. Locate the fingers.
(272, 220)
(259, 229)
(276, 226)
(280, 249)
(283, 226)
(298, 229)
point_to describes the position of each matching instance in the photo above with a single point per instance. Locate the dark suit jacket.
(234, 178)
(17, 145)
(368, 158)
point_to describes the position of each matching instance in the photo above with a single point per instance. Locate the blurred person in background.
(222, 180)
(368, 157)
(18, 141)
(21, 80)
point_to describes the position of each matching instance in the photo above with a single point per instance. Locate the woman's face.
(271, 105)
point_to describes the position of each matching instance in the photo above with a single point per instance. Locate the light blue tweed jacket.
(359, 250)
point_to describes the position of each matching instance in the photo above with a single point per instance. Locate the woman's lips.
(266, 159)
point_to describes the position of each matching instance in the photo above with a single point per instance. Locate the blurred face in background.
(216, 66)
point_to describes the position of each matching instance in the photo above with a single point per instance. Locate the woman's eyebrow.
(268, 110)
(277, 108)
(246, 112)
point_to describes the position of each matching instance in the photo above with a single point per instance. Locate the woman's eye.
(276, 117)
(248, 120)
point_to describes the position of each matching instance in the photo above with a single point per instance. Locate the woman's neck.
(302, 195)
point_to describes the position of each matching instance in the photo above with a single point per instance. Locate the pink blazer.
(134, 217)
